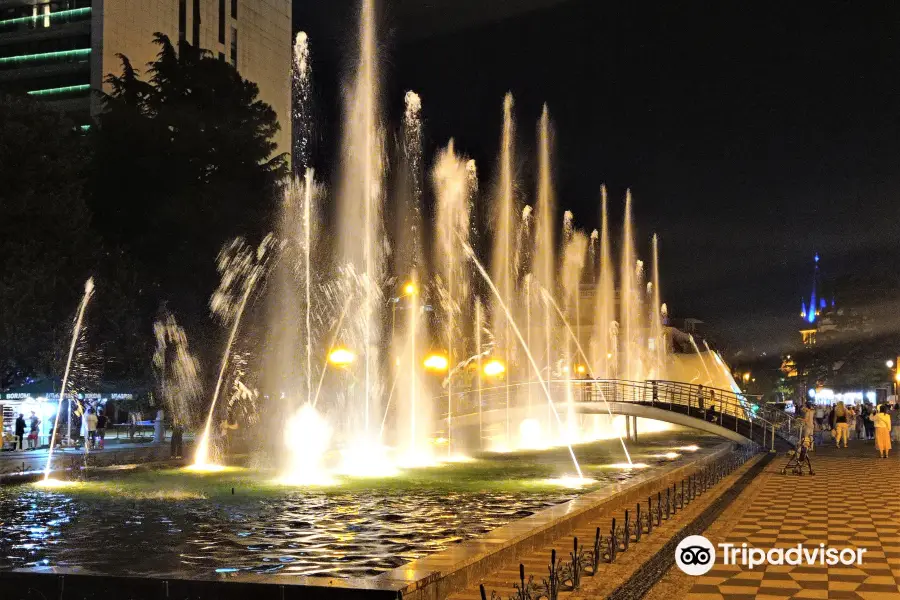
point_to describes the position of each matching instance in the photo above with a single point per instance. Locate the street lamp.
(889, 364)
(409, 289)
(494, 368)
(436, 362)
(341, 357)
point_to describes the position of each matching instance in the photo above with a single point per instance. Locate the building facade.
(61, 50)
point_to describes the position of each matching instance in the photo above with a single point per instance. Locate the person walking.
(820, 416)
(881, 424)
(20, 432)
(34, 431)
(861, 417)
(89, 429)
(839, 424)
(102, 422)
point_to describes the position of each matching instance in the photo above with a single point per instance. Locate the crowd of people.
(841, 423)
(93, 430)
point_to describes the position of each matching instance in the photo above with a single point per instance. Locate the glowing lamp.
(410, 289)
(890, 364)
(746, 377)
(341, 357)
(436, 362)
(580, 369)
(494, 368)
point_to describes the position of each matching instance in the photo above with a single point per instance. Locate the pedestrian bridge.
(733, 416)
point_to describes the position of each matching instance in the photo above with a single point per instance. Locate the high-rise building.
(60, 50)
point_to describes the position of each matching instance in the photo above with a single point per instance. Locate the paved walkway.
(852, 501)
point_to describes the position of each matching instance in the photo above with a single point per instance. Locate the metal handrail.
(709, 403)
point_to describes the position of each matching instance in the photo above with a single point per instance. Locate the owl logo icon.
(695, 555)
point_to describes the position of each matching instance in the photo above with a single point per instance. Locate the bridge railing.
(711, 404)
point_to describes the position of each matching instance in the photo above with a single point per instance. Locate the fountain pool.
(168, 522)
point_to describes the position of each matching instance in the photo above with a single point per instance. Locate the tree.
(184, 162)
(45, 245)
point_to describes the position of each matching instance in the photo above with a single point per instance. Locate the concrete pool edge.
(437, 575)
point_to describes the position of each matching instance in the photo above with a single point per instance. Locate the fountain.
(76, 331)
(360, 199)
(393, 346)
(241, 266)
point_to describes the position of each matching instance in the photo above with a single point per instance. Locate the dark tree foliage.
(184, 162)
(45, 244)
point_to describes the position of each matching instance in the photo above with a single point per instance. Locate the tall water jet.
(544, 255)
(409, 334)
(451, 185)
(301, 105)
(504, 226)
(479, 326)
(574, 254)
(241, 267)
(656, 325)
(628, 317)
(408, 234)
(76, 332)
(360, 204)
(604, 301)
(307, 252)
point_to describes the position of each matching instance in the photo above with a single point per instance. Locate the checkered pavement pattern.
(850, 502)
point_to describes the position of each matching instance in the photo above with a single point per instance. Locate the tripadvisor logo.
(696, 555)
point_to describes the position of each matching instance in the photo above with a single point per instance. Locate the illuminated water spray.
(549, 300)
(79, 320)
(451, 183)
(504, 225)
(360, 203)
(241, 268)
(509, 318)
(544, 255)
(709, 377)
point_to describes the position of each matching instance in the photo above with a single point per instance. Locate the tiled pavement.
(852, 501)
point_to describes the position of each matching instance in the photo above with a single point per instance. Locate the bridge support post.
(634, 431)
(628, 428)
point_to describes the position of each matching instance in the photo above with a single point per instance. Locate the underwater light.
(53, 484)
(572, 483)
(205, 468)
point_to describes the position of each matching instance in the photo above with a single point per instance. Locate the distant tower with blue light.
(811, 308)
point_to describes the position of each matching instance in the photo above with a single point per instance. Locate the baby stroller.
(799, 458)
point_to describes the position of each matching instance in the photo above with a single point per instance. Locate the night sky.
(752, 135)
